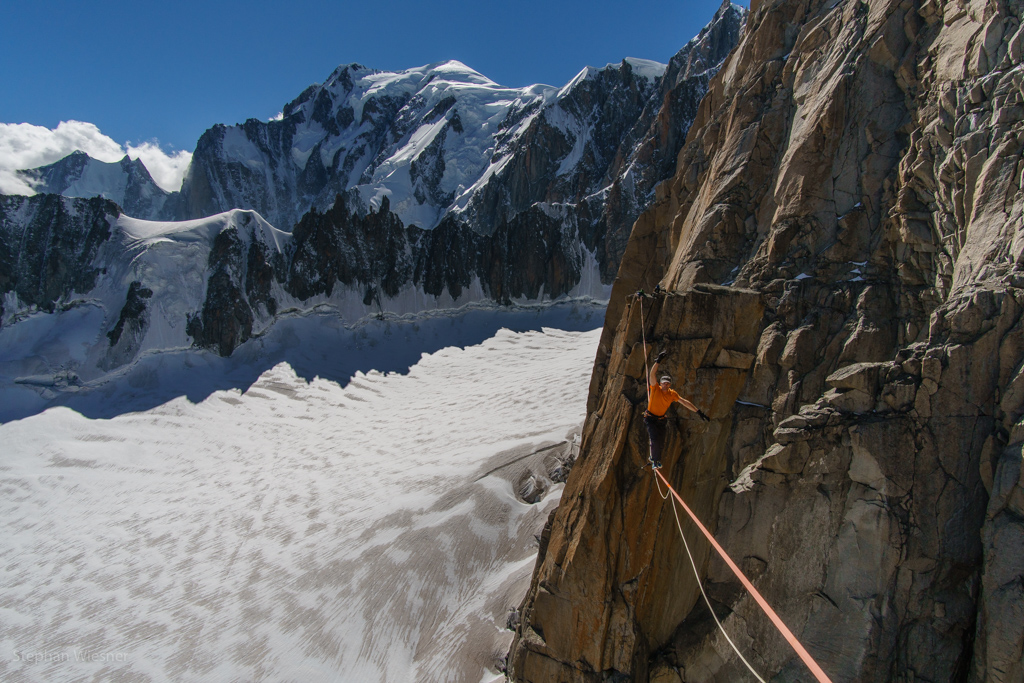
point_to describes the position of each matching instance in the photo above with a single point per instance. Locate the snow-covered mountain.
(435, 140)
(126, 182)
(375, 193)
(446, 146)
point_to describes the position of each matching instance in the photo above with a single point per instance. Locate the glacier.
(371, 529)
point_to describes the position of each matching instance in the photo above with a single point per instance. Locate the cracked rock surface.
(842, 254)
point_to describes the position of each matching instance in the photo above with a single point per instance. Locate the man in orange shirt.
(661, 398)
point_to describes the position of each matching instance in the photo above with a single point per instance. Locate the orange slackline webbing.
(786, 633)
(700, 584)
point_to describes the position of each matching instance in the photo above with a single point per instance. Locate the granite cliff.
(841, 253)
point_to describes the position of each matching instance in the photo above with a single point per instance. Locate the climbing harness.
(776, 620)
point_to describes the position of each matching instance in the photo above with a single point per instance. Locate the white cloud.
(23, 146)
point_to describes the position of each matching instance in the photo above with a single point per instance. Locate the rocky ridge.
(841, 254)
(126, 183)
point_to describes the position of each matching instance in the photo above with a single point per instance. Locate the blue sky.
(143, 70)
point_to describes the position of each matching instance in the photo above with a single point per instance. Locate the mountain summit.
(373, 192)
(126, 182)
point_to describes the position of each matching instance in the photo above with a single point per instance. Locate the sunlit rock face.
(855, 168)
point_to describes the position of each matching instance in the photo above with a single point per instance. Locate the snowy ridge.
(646, 68)
(148, 233)
(154, 279)
(126, 182)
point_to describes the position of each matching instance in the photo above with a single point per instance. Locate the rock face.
(50, 247)
(611, 556)
(847, 211)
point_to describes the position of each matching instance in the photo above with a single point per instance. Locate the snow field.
(294, 532)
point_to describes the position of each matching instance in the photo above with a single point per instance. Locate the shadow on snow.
(314, 345)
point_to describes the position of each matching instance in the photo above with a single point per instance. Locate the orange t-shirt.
(661, 399)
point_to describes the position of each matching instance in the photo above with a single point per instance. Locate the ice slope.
(170, 258)
(292, 532)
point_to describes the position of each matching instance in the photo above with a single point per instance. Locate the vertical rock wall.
(855, 169)
(612, 556)
(49, 247)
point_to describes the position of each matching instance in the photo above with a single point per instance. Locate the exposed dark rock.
(131, 313)
(226, 319)
(49, 246)
(260, 276)
(127, 334)
(531, 256)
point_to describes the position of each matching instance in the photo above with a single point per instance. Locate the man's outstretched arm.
(689, 406)
(652, 376)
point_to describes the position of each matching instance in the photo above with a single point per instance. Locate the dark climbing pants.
(656, 433)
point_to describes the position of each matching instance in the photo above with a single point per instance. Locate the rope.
(643, 338)
(783, 629)
(700, 584)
